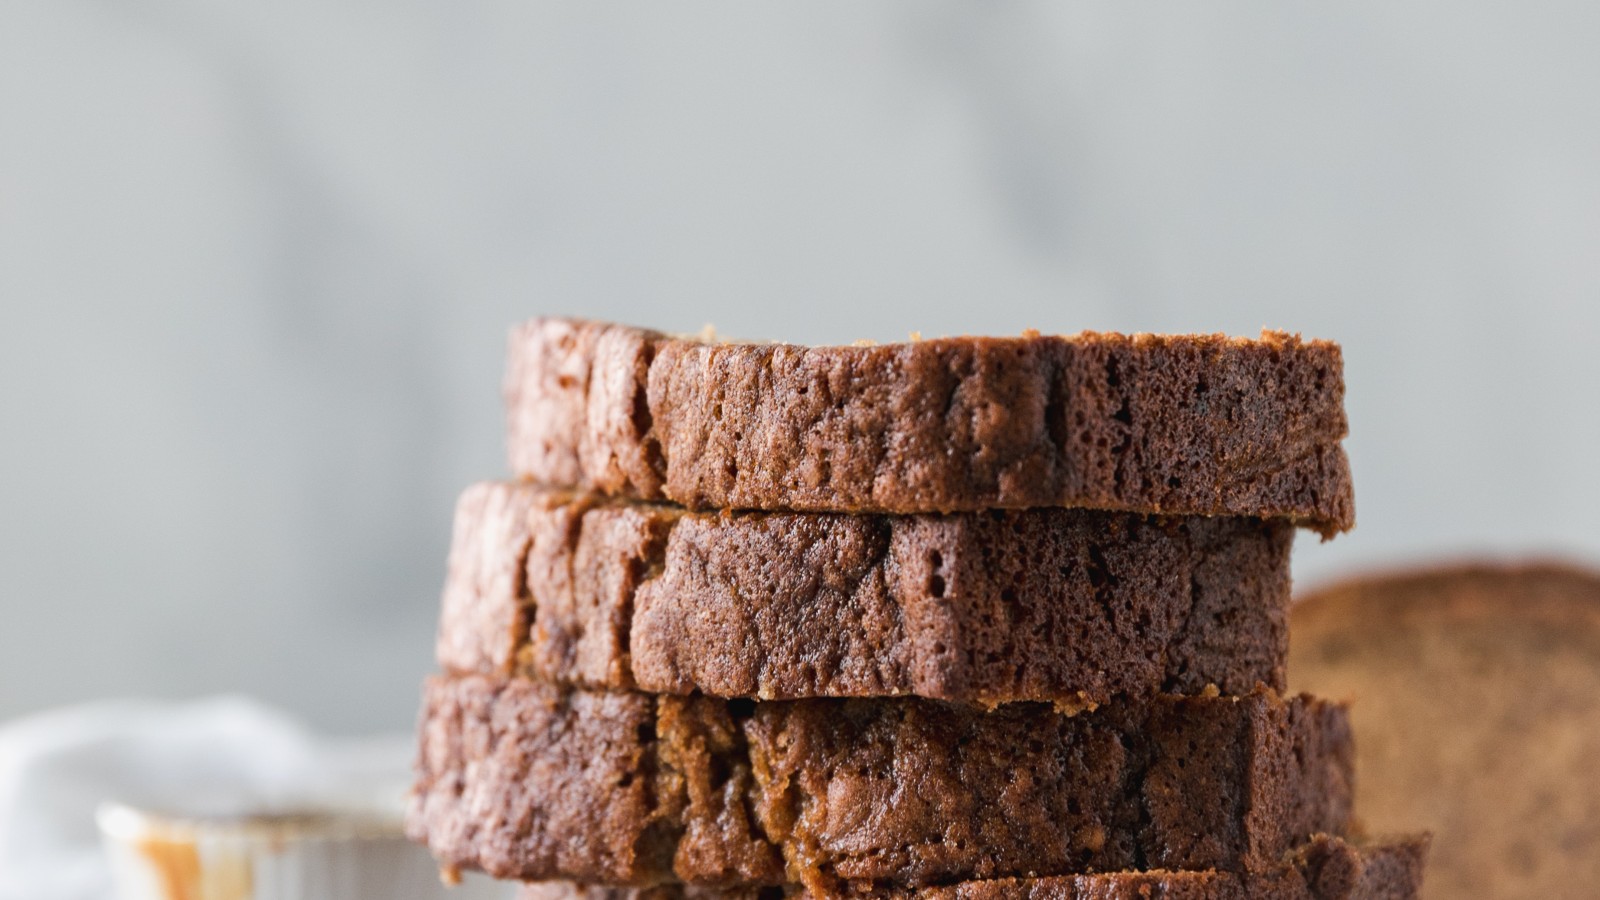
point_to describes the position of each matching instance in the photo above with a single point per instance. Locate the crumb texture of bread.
(1325, 868)
(524, 780)
(1074, 607)
(1476, 715)
(1176, 425)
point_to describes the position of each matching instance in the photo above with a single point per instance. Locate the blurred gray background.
(257, 262)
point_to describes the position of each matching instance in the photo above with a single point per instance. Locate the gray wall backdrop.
(257, 262)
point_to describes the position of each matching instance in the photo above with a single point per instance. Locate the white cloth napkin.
(57, 767)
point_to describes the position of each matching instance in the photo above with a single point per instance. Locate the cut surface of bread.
(1476, 708)
(1068, 606)
(1325, 868)
(525, 780)
(1177, 425)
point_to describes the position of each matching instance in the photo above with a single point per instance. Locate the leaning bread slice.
(1477, 715)
(525, 780)
(1325, 868)
(1181, 425)
(1068, 606)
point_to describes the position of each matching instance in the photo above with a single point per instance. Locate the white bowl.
(305, 854)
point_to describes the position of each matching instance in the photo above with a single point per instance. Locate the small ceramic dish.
(298, 854)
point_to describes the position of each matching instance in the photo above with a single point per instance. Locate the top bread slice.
(1177, 425)
(1476, 711)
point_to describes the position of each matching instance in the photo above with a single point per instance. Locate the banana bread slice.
(1477, 715)
(1062, 605)
(1184, 424)
(526, 780)
(1326, 868)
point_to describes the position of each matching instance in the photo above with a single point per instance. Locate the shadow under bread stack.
(969, 617)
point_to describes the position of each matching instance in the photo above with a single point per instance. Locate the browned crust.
(1177, 425)
(524, 780)
(1477, 714)
(1552, 592)
(1326, 868)
(1073, 607)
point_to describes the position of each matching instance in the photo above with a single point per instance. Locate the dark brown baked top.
(1069, 606)
(1477, 716)
(1178, 425)
(1325, 868)
(525, 780)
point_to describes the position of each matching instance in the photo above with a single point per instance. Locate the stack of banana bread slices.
(969, 617)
